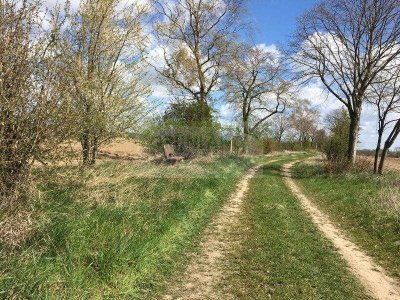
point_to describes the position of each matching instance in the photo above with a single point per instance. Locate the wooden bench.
(169, 153)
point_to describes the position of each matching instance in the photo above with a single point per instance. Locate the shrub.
(190, 127)
(337, 143)
(270, 145)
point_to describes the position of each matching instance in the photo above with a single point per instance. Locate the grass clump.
(366, 206)
(115, 231)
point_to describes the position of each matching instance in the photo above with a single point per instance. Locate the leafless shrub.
(336, 166)
(363, 164)
(342, 165)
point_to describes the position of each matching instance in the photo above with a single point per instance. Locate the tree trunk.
(353, 136)
(382, 162)
(389, 142)
(85, 143)
(93, 152)
(89, 149)
(377, 150)
(246, 135)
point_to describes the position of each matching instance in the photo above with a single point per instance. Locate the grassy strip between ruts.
(117, 231)
(366, 206)
(281, 254)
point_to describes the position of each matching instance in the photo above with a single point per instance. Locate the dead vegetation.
(15, 228)
(389, 200)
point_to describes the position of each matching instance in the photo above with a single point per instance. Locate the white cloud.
(48, 4)
(273, 49)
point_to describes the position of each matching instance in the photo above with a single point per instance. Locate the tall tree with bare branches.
(304, 120)
(194, 37)
(384, 95)
(255, 86)
(346, 44)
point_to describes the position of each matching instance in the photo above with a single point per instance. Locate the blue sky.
(275, 20)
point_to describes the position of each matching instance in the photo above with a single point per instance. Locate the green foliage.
(189, 126)
(337, 143)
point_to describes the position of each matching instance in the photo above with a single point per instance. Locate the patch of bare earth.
(372, 276)
(206, 270)
(123, 148)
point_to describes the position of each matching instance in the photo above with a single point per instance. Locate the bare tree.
(394, 133)
(280, 126)
(254, 86)
(33, 111)
(194, 37)
(385, 97)
(304, 121)
(104, 55)
(346, 44)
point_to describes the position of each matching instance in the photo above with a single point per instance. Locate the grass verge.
(364, 205)
(281, 254)
(117, 231)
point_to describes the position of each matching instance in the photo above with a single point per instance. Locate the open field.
(391, 163)
(125, 148)
(122, 148)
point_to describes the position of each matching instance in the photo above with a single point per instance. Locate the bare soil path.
(205, 270)
(372, 276)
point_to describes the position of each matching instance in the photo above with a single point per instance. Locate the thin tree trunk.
(353, 136)
(93, 152)
(389, 142)
(382, 162)
(280, 138)
(377, 150)
(246, 135)
(85, 143)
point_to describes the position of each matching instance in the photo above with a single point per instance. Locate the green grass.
(364, 205)
(117, 231)
(281, 254)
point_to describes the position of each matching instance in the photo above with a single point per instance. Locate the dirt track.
(373, 277)
(204, 271)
